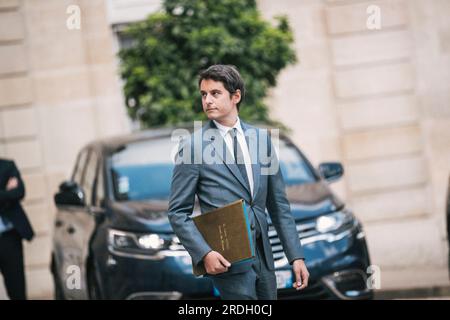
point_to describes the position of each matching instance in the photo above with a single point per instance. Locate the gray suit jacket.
(220, 183)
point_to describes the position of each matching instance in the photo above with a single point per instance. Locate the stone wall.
(378, 101)
(58, 90)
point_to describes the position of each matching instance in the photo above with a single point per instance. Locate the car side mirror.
(331, 171)
(70, 193)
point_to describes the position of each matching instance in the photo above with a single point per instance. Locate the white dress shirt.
(5, 225)
(225, 133)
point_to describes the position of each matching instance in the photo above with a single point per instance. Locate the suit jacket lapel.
(252, 140)
(219, 142)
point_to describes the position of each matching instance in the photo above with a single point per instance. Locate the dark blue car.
(112, 238)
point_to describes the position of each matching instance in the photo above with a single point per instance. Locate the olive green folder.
(227, 231)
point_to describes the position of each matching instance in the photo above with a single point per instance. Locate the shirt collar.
(224, 129)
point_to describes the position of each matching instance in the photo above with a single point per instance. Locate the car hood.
(310, 200)
(307, 201)
(141, 216)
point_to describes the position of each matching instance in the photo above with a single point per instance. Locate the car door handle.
(71, 230)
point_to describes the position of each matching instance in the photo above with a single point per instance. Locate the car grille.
(305, 229)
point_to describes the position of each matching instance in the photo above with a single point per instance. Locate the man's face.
(217, 103)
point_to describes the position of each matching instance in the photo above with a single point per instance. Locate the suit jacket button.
(252, 226)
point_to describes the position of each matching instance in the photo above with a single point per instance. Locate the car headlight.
(150, 241)
(334, 221)
(121, 240)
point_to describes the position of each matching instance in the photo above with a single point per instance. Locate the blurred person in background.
(14, 226)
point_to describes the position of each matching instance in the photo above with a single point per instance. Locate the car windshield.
(293, 166)
(143, 170)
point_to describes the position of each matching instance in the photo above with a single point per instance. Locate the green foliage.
(171, 47)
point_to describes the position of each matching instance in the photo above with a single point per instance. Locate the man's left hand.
(301, 274)
(12, 183)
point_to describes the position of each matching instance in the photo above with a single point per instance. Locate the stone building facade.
(378, 100)
(58, 90)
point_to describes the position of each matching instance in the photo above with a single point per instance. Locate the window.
(89, 177)
(143, 170)
(294, 168)
(79, 167)
(125, 41)
(99, 187)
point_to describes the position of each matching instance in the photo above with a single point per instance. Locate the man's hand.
(301, 274)
(215, 263)
(12, 183)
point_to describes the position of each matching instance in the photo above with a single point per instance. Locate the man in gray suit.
(221, 164)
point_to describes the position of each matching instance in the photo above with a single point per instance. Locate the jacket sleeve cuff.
(197, 258)
(298, 258)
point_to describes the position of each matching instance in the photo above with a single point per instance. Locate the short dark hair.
(228, 75)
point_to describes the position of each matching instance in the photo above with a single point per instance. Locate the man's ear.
(237, 96)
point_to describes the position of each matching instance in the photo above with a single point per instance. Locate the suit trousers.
(11, 264)
(259, 283)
